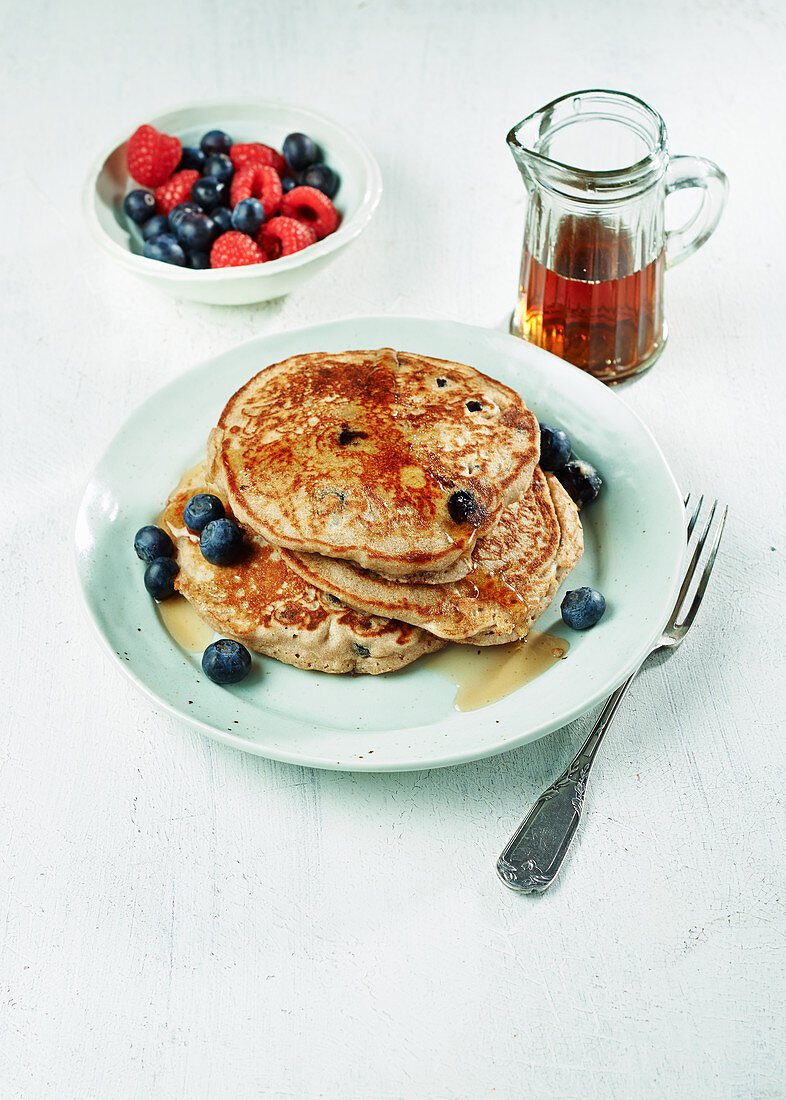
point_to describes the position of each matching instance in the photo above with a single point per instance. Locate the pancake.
(571, 547)
(516, 570)
(396, 462)
(260, 602)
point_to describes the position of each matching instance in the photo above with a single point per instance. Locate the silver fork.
(535, 852)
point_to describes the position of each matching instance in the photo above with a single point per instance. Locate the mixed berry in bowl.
(226, 203)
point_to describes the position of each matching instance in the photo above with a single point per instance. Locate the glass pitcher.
(597, 172)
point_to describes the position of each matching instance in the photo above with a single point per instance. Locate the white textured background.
(180, 920)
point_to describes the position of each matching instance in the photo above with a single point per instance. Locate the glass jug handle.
(695, 172)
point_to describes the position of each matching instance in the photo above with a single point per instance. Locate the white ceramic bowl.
(357, 198)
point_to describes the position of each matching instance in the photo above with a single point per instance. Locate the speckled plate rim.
(406, 720)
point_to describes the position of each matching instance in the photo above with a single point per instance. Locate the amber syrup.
(593, 310)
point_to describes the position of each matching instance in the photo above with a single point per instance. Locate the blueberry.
(287, 183)
(300, 151)
(474, 406)
(220, 541)
(581, 480)
(159, 578)
(196, 232)
(155, 226)
(165, 248)
(223, 218)
(554, 447)
(219, 167)
(215, 141)
(226, 661)
(192, 158)
(321, 177)
(463, 507)
(200, 260)
(209, 193)
(201, 510)
(180, 211)
(582, 608)
(139, 205)
(248, 215)
(152, 542)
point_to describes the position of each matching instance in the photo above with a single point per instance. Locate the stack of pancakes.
(391, 502)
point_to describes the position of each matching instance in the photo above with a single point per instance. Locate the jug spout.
(595, 144)
(522, 140)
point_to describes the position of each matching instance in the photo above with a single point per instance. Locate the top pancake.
(356, 454)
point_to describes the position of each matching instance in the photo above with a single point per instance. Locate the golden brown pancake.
(260, 602)
(394, 461)
(516, 570)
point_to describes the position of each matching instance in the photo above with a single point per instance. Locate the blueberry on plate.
(165, 248)
(202, 509)
(554, 447)
(196, 232)
(155, 226)
(581, 480)
(139, 205)
(321, 177)
(199, 261)
(300, 151)
(192, 158)
(223, 218)
(180, 211)
(247, 216)
(226, 661)
(582, 608)
(288, 183)
(220, 541)
(209, 193)
(151, 542)
(160, 576)
(219, 167)
(215, 141)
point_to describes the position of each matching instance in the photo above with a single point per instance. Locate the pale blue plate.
(634, 536)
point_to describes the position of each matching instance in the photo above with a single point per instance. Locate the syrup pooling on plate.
(184, 625)
(486, 675)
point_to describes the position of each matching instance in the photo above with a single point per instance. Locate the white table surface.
(178, 919)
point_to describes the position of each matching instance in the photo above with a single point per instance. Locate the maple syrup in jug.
(591, 307)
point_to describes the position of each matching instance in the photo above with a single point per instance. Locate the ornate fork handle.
(536, 850)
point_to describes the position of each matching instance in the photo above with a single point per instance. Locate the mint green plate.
(634, 538)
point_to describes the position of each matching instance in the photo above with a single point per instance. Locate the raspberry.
(308, 205)
(152, 156)
(177, 189)
(235, 249)
(254, 152)
(283, 236)
(257, 181)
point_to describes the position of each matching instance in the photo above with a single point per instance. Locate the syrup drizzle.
(486, 674)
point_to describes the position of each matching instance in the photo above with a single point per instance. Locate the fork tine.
(695, 516)
(710, 562)
(691, 569)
